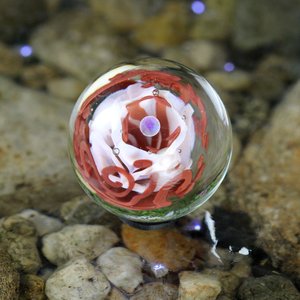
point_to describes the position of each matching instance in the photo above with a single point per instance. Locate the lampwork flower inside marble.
(150, 140)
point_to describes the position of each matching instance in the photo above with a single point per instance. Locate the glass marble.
(150, 140)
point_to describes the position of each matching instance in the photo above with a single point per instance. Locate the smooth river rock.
(197, 286)
(77, 280)
(43, 224)
(86, 45)
(265, 184)
(166, 247)
(34, 166)
(122, 267)
(74, 241)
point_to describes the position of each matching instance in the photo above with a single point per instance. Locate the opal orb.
(150, 140)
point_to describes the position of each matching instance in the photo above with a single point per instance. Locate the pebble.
(9, 277)
(125, 15)
(230, 81)
(242, 268)
(204, 55)
(73, 241)
(268, 287)
(274, 208)
(167, 28)
(86, 46)
(272, 74)
(77, 280)
(253, 30)
(43, 224)
(37, 76)
(122, 267)
(115, 294)
(197, 286)
(155, 291)
(32, 287)
(228, 280)
(18, 237)
(11, 61)
(67, 88)
(166, 246)
(34, 165)
(216, 21)
(80, 210)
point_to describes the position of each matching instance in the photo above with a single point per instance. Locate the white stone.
(122, 267)
(74, 241)
(77, 280)
(43, 224)
(197, 286)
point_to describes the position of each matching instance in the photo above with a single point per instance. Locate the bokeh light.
(229, 67)
(25, 50)
(198, 7)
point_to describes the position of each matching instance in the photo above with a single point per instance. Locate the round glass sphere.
(150, 140)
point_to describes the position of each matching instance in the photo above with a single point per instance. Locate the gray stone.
(86, 46)
(242, 268)
(9, 277)
(197, 286)
(127, 14)
(204, 55)
(265, 184)
(156, 290)
(43, 224)
(18, 237)
(256, 27)
(18, 17)
(199, 55)
(74, 241)
(37, 76)
(268, 287)
(77, 280)
(167, 28)
(216, 23)
(80, 210)
(228, 280)
(122, 267)
(66, 88)
(230, 81)
(273, 74)
(34, 165)
(11, 62)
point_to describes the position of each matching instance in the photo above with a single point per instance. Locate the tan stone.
(265, 184)
(165, 246)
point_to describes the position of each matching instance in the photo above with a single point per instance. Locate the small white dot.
(116, 151)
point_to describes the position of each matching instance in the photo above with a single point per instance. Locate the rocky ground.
(56, 244)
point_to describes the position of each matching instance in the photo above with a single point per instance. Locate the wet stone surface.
(57, 244)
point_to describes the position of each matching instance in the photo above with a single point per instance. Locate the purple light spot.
(229, 67)
(194, 225)
(26, 51)
(149, 126)
(198, 7)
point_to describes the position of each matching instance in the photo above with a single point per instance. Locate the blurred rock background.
(51, 49)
